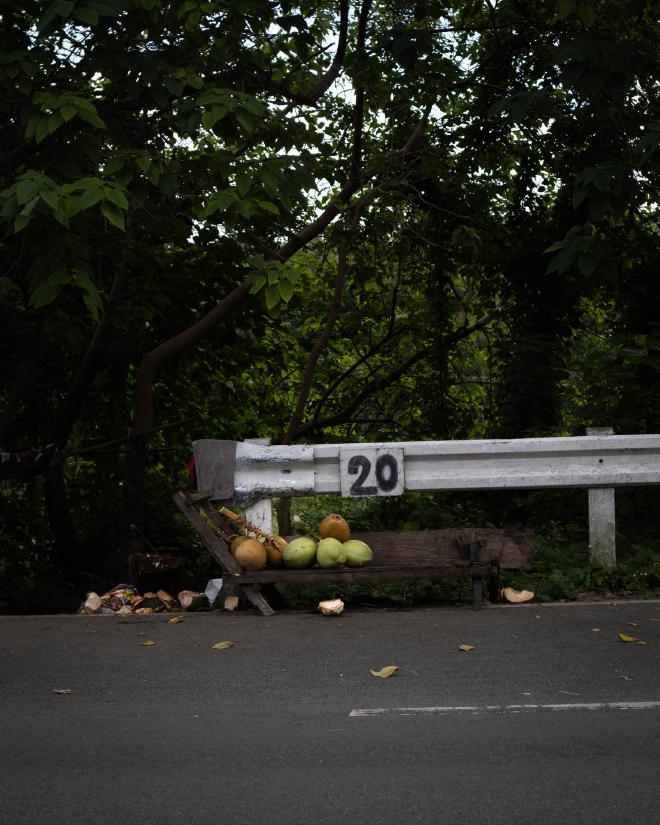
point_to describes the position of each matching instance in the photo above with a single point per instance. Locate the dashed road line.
(526, 708)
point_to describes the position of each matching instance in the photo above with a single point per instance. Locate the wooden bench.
(479, 554)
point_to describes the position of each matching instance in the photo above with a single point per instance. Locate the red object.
(192, 472)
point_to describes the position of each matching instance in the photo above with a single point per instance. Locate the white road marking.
(503, 708)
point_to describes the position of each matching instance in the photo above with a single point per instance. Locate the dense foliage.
(314, 221)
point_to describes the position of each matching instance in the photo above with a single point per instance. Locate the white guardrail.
(250, 473)
(247, 471)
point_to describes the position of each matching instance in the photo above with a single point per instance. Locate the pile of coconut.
(124, 599)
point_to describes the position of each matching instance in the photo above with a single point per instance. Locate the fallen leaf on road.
(466, 648)
(653, 619)
(385, 672)
(63, 691)
(175, 620)
(633, 624)
(627, 678)
(625, 638)
(148, 643)
(222, 646)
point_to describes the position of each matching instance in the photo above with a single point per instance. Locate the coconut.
(357, 553)
(330, 553)
(334, 526)
(516, 596)
(236, 542)
(251, 555)
(275, 556)
(299, 553)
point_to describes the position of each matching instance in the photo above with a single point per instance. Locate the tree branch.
(384, 381)
(311, 98)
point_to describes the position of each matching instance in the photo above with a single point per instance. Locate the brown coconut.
(236, 542)
(275, 556)
(334, 526)
(251, 555)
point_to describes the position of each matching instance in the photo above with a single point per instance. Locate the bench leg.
(477, 593)
(494, 587)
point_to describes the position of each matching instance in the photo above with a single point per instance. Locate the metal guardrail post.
(602, 521)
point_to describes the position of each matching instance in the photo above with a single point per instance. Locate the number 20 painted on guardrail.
(372, 472)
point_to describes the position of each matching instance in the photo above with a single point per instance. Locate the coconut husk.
(191, 600)
(93, 604)
(165, 597)
(516, 596)
(332, 607)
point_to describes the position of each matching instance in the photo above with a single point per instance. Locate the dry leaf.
(516, 596)
(222, 646)
(63, 691)
(466, 648)
(332, 607)
(627, 678)
(633, 624)
(625, 638)
(385, 672)
(148, 643)
(175, 620)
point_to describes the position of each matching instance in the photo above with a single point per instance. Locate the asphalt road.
(288, 727)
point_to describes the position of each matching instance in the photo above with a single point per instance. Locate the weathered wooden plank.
(373, 572)
(216, 547)
(220, 552)
(511, 549)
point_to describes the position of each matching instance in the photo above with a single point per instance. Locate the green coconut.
(330, 553)
(357, 552)
(299, 553)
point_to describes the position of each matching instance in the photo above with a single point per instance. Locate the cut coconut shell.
(93, 604)
(332, 607)
(516, 596)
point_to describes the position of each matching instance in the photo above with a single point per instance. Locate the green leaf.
(245, 120)
(258, 285)
(268, 206)
(243, 184)
(116, 196)
(61, 8)
(43, 127)
(272, 295)
(50, 197)
(88, 14)
(113, 213)
(92, 118)
(587, 263)
(44, 295)
(90, 197)
(68, 112)
(286, 290)
(25, 191)
(113, 166)
(219, 202)
(21, 222)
